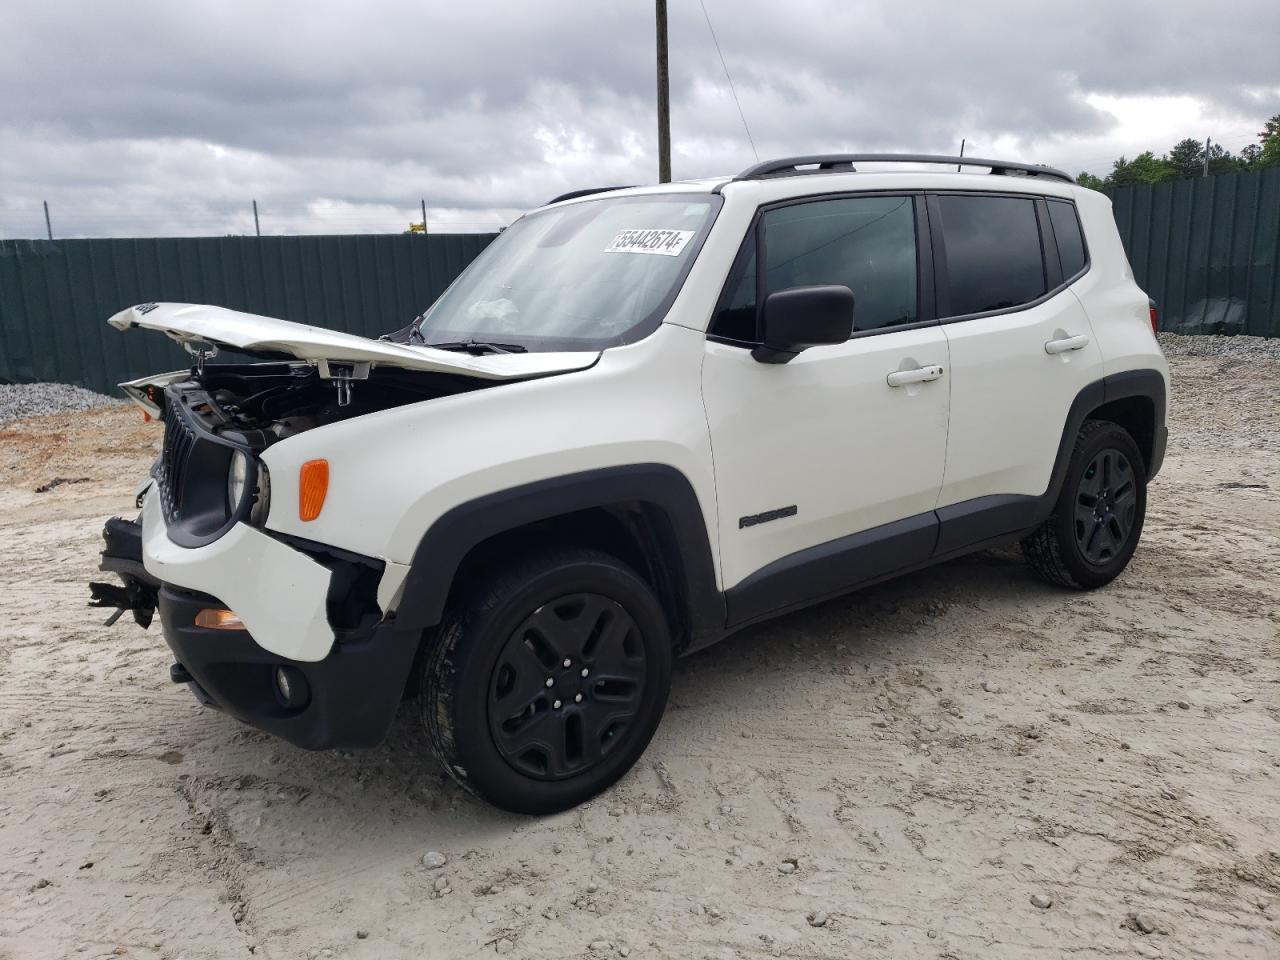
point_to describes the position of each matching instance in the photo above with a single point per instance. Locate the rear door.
(1021, 349)
(845, 438)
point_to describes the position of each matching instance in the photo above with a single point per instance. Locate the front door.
(827, 467)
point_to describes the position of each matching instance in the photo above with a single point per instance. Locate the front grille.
(191, 474)
(179, 442)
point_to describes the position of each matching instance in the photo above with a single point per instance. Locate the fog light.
(217, 619)
(291, 687)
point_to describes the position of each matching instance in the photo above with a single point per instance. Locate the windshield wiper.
(479, 347)
(408, 334)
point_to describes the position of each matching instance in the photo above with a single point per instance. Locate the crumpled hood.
(194, 323)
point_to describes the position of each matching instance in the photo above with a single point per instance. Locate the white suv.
(639, 421)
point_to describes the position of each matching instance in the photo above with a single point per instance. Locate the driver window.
(867, 244)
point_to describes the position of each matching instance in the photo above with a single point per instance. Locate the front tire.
(1097, 521)
(547, 680)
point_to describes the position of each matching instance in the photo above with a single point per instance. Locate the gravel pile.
(18, 400)
(1232, 348)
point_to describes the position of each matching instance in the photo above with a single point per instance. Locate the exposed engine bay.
(260, 403)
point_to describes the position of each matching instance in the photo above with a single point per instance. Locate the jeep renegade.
(640, 420)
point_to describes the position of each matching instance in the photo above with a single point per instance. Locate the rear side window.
(1066, 231)
(867, 244)
(994, 260)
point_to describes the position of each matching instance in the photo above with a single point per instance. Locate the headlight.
(238, 479)
(237, 476)
(261, 497)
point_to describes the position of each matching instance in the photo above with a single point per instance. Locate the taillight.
(1155, 321)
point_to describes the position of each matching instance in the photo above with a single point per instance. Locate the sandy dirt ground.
(965, 763)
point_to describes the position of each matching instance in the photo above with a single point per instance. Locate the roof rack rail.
(575, 194)
(843, 163)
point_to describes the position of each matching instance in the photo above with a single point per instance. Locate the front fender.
(458, 531)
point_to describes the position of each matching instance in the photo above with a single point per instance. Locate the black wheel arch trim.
(459, 530)
(1151, 385)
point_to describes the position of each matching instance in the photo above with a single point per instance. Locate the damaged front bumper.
(279, 593)
(348, 699)
(343, 687)
(122, 555)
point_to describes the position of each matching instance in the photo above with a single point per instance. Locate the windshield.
(586, 276)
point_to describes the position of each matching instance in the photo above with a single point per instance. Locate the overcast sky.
(169, 118)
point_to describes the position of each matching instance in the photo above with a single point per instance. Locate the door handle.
(900, 378)
(1062, 346)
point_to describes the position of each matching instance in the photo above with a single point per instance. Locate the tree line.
(1186, 159)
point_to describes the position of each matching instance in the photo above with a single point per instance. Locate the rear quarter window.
(1069, 237)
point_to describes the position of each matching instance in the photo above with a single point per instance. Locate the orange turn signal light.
(313, 487)
(212, 618)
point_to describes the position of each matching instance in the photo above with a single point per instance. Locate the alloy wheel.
(1106, 506)
(566, 686)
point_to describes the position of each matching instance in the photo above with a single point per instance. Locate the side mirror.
(804, 317)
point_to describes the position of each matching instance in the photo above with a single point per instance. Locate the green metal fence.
(1207, 250)
(55, 296)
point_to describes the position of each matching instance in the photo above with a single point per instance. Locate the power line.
(732, 89)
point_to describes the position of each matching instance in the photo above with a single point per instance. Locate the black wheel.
(547, 681)
(1097, 520)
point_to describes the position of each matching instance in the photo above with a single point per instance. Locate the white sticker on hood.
(668, 243)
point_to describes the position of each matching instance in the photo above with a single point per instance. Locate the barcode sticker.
(668, 243)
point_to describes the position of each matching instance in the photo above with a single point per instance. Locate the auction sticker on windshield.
(668, 243)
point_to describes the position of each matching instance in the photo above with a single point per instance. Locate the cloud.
(162, 118)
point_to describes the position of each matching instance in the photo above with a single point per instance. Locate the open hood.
(198, 323)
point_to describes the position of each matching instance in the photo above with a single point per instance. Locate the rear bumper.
(352, 694)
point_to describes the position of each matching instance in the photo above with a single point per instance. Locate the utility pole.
(48, 227)
(424, 216)
(1206, 157)
(256, 228)
(664, 95)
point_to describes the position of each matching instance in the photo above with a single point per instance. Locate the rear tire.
(1097, 520)
(547, 680)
